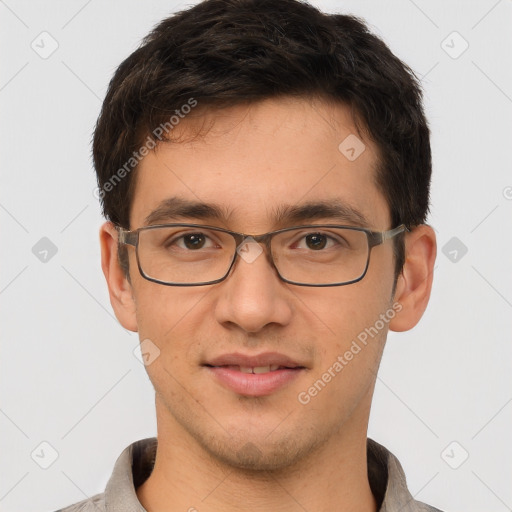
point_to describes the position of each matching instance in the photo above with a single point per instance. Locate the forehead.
(251, 165)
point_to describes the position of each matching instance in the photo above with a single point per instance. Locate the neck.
(186, 478)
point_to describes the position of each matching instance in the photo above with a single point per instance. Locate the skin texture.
(221, 451)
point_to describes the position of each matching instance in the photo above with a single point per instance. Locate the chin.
(247, 452)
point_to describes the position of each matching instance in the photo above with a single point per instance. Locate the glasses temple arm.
(377, 238)
(127, 237)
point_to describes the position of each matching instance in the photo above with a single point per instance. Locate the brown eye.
(194, 240)
(316, 241)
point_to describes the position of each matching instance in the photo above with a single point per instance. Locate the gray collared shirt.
(134, 465)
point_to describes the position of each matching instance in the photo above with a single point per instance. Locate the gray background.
(69, 376)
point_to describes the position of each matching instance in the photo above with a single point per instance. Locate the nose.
(253, 296)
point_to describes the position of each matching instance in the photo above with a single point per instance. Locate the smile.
(255, 369)
(253, 375)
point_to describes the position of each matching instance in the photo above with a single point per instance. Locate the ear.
(415, 282)
(119, 288)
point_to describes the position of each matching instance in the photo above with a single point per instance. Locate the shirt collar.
(134, 465)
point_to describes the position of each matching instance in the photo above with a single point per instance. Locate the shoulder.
(95, 503)
(423, 507)
(388, 482)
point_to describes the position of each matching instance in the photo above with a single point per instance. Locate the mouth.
(259, 375)
(256, 369)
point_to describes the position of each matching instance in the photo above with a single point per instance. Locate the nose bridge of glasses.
(264, 239)
(241, 238)
(260, 239)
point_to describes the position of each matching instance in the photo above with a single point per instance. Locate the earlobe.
(119, 288)
(415, 282)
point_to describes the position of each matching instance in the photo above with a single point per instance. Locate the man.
(264, 169)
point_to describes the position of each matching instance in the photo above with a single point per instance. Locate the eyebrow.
(177, 208)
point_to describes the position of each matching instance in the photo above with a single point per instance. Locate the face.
(253, 161)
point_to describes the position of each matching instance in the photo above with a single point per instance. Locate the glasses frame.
(374, 238)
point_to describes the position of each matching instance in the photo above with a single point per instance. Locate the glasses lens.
(321, 255)
(315, 255)
(185, 254)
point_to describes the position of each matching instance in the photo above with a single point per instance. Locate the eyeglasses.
(197, 255)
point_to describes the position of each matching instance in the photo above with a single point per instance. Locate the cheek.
(339, 314)
(171, 318)
(348, 357)
(161, 310)
(352, 323)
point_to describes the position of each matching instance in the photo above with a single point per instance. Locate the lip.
(225, 369)
(263, 359)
